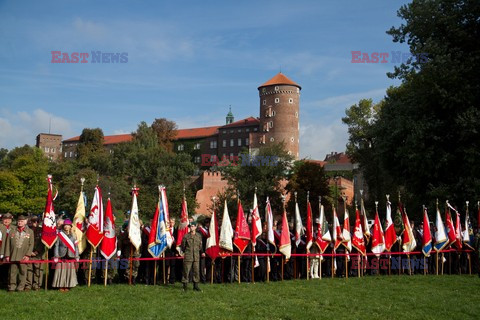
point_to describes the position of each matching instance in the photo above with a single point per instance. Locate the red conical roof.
(279, 78)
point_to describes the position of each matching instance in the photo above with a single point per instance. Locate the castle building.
(50, 144)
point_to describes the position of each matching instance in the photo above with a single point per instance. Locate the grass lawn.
(394, 297)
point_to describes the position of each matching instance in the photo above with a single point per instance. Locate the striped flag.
(285, 246)
(323, 233)
(109, 242)
(337, 230)
(347, 237)
(256, 221)
(390, 235)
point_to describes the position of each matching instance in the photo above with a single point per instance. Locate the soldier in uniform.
(35, 270)
(192, 247)
(18, 248)
(125, 250)
(4, 231)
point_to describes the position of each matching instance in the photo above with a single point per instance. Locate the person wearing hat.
(66, 249)
(35, 270)
(192, 248)
(18, 248)
(4, 231)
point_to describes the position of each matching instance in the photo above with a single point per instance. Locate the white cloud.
(316, 140)
(17, 129)
(346, 100)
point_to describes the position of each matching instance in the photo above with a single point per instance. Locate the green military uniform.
(126, 248)
(35, 270)
(477, 251)
(19, 244)
(4, 231)
(192, 247)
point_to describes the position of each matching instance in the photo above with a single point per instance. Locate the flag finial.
(376, 205)
(388, 197)
(308, 196)
(399, 197)
(295, 196)
(98, 178)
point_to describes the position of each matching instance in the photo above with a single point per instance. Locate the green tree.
(166, 131)
(11, 193)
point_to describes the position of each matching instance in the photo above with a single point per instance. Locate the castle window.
(270, 124)
(231, 156)
(290, 100)
(276, 88)
(292, 139)
(268, 112)
(232, 131)
(264, 90)
(247, 141)
(47, 149)
(53, 150)
(180, 147)
(71, 154)
(66, 154)
(273, 113)
(224, 143)
(277, 100)
(239, 130)
(296, 114)
(272, 139)
(264, 102)
(239, 142)
(213, 144)
(247, 130)
(232, 142)
(196, 146)
(265, 127)
(224, 131)
(197, 159)
(262, 139)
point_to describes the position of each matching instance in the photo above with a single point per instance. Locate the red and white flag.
(390, 235)
(95, 219)
(241, 238)
(183, 226)
(449, 225)
(269, 220)
(458, 232)
(347, 237)
(309, 229)
(409, 243)
(285, 245)
(109, 242)
(323, 238)
(256, 222)
(337, 230)
(366, 229)
(49, 227)
(212, 246)
(358, 241)
(378, 240)
(299, 229)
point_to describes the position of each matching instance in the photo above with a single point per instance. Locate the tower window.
(277, 100)
(270, 124)
(273, 113)
(292, 139)
(239, 130)
(290, 100)
(268, 112)
(197, 159)
(276, 88)
(272, 139)
(298, 90)
(265, 127)
(247, 130)
(296, 114)
(264, 102)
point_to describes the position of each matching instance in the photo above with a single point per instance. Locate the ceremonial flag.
(478, 215)
(408, 242)
(366, 229)
(378, 240)
(166, 215)
(95, 219)
(309, 230)
(299, 230)
(134, 222)
(79, 221)
(269, 220)
(427, 234)
(157, 240)
(49, 227)
(398, 222)
(466, 232)
(441, 239)
(183, 226)
(212, 246)
(242, 232)
(256, 222)
(458, 232)
(358, 242)
(323, 233)
(109, 242)
(226, 233)
(285, 246)
(390, 235)
(347, 237)
(337, 230)
(449, 225)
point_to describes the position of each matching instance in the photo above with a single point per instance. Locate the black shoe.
(184, 287)
(196, 288)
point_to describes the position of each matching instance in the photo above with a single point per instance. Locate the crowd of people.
(22, 252)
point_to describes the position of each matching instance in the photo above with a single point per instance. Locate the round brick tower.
(279, 113)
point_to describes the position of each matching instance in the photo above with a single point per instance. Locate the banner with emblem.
(94, 232)
(226, 233)
(109, 242)
(79, 221)
(134, 233)
(49, 227)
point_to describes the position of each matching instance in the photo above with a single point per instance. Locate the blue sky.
(188, 61)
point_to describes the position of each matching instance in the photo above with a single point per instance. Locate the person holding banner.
(66, 249)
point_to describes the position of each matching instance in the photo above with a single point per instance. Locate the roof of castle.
(279, 78)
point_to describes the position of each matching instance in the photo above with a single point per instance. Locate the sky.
(188, 61)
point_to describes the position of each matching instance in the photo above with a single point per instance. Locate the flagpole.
(46, 270)
(334, 240)
(164, 275)
(155, 272)
(308, 250)
(211, 272)
(268, 269)
(437, 250)
(469, 264)
(238, 269)
(282, 265)
(131, 265)
(90, 267)
(253, 265)
(106, 271)
(320, 265)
